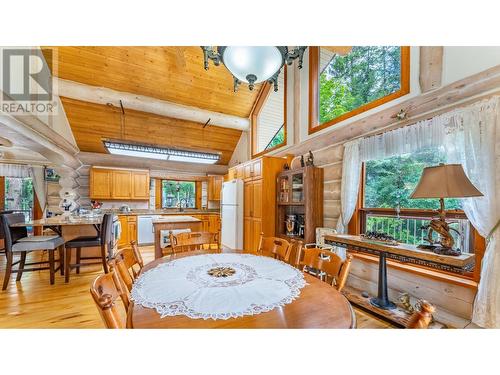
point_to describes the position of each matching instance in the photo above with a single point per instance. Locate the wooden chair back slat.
(333, 269)
(190, 241)
(274, 247)
(105, 290)
(295, 253)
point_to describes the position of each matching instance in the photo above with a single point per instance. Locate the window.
(19, 195)
(387, 208)
(269, 118)
(178, 194)
(347, 81)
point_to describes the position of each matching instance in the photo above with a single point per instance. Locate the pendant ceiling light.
(253, 65)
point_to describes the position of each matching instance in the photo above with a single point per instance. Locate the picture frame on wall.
(51, 175)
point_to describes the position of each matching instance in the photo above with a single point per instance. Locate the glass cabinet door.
(297, 188)
(284, 189)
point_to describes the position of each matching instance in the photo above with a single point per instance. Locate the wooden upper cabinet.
(100, 183)
(122, 182)
(140, 185)
(119, 184)
(215, 187)
(257, 168)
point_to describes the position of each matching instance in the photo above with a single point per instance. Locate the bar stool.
(17, 241)
(102, 240)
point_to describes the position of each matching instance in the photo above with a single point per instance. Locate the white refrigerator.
(232, 214)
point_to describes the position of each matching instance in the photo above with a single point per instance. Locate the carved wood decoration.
(431, 68)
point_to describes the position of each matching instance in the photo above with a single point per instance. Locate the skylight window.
(161, 153)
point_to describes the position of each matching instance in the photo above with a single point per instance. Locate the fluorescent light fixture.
(161, 153)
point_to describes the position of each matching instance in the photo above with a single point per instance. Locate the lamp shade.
(445, 181)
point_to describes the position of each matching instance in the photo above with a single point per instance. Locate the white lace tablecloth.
(185, 287)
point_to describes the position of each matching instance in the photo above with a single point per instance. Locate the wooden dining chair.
(128, 264)
(105, 290)
(423, 317)
(327, 266)
(274, 247)
(194, 241)
(295, 253)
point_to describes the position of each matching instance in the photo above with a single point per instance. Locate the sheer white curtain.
(470, 136)
(477, 148)
(39, 185)
(14, 170)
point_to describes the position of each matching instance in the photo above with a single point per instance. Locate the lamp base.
(440, 250)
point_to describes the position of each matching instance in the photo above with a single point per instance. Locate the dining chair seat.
(17, 241)
(37, 243)
(84, 241)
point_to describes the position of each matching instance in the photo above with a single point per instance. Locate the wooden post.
(431, 68)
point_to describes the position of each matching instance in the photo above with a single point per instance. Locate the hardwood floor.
(34, 303)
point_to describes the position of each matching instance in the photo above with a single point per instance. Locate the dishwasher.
(145, 235)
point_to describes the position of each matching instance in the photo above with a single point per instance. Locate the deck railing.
(412, 230)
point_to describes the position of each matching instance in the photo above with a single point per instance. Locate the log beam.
(431, 68)
(102, 95)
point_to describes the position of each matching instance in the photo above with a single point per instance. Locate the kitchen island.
(170, 223)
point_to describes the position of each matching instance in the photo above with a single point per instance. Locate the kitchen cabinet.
(140, 185)
(129, 230)
(120, 184)
(100, 183)
(259, 203)
(214, 188)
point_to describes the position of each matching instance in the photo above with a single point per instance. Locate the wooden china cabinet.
(299, 203)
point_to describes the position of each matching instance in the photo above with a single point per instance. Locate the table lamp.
(443, 181)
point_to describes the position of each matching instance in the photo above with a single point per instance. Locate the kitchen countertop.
(164, 212)
(176, 219)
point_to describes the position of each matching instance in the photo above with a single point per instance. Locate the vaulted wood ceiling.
(174, 74)
(91, 123)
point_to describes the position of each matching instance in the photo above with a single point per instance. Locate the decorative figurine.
(310, 160)
(302, 164)
(404, 299)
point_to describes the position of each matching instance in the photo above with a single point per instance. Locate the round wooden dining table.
(319, 305)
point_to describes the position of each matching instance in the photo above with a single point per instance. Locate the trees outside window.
(175, 193)
(19, 195)
(344, 85)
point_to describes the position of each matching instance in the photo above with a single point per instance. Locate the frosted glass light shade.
(263, 62)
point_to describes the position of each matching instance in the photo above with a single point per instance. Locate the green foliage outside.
(174, 191)
(19, 194)
(278, 138)
(389, 184)
(360, 77)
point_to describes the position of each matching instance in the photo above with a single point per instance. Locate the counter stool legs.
(8, 270)
(67, 261)
(60, 249)
(21, 266)
(78, 258)
(52, 267)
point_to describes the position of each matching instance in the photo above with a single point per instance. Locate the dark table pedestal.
(382, 300)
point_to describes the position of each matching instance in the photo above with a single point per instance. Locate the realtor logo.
(26, 81)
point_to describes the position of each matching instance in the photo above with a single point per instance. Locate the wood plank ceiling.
(173, 74)
(91, 123)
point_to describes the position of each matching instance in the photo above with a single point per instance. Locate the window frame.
(357, 225)
(197, 192)
(314, 125)
(259, 104)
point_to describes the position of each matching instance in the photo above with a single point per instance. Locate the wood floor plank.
(34, 303)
